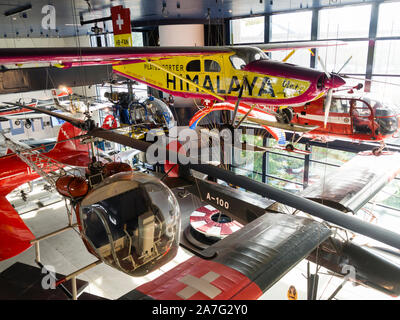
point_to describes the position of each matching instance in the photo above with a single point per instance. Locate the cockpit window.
(193, 66)
(338, 106)
(211, 66)
(237, 62)
(246, 55)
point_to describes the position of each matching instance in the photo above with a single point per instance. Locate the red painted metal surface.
(227, 282)
(14, 234)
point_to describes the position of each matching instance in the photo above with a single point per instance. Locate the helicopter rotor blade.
(368, 80)
(112, 136)
(75, 122)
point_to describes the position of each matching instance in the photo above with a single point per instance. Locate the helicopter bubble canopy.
(153, 112)
(131, 221)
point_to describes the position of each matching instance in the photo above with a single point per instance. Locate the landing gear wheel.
(289, 147)
(285, 115)
(377, 151)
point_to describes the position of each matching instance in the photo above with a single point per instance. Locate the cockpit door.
(362, 118)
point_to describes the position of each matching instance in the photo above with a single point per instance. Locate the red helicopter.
(350, 117)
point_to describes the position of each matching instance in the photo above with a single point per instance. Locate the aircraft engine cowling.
(131, 221)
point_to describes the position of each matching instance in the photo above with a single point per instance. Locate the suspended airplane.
(131, 221)
(351, 117)
(228, 73)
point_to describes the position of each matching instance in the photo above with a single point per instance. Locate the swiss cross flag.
(208, 103)
(109, 122)
(121, 20)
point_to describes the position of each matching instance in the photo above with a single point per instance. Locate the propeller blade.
(324, 67)
(345, 64)
(327, 105)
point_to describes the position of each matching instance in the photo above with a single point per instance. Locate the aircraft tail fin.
(68, 150)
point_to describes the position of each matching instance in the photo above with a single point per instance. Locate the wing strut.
(238, 102)
(245, 116)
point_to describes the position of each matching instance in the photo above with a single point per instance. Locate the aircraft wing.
(298, 45)
(241, 266)
(87, 55)
(15, 236)
(352, 185)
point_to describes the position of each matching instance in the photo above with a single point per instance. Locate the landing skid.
(289, 148)
(377, 151)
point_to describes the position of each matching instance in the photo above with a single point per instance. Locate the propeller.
(331, 79)
(328, 99)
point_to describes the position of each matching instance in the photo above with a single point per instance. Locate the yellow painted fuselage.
(214, 76)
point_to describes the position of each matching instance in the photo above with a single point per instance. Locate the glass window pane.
(388, 20)
(346, 22)
(318, 171)
(193, 66)
(137, 39)
(331, 156)
(248, 30)
(334, 57)
(386, 59)
(211, 66)
(285, 185)
(301, 57)
(291, 26)
(386, 89)
(390, 195)
(249, 174)
(250, 160)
